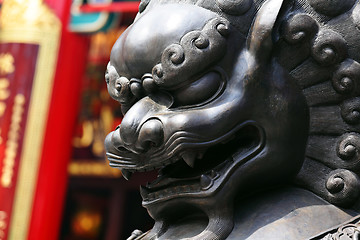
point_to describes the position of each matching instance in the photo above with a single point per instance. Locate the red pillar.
(52, 179)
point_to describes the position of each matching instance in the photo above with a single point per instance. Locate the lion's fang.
(189, 158)
(126, 174)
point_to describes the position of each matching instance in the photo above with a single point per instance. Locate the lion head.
(207, 105)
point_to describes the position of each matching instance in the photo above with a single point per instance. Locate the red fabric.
(19, 86)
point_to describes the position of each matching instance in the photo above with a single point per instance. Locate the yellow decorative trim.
(30, 21)
(92, 169)
(27, 13)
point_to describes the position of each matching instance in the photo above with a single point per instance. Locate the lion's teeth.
(189, 158)
(200, 154)
(205, 181)
(144, 191)
(126, 174)
(161, 172)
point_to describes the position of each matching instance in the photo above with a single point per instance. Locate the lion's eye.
(200, 91)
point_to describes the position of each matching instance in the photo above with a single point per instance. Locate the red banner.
(17, 70)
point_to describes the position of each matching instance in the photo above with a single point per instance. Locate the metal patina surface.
(249, 110)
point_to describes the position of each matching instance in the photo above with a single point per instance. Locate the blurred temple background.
(55, 182)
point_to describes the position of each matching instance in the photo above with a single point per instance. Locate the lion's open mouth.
(200, 169)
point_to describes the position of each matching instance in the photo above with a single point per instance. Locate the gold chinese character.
(6, 63)
(4, 92)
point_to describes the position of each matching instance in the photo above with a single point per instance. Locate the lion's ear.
(259, 41)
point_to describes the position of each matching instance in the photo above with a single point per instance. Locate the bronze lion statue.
(250, 112)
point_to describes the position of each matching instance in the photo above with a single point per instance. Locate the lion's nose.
(151, 135)
(140, 130)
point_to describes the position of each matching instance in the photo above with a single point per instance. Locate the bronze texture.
(249, 110)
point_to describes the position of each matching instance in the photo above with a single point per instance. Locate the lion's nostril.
(151, 134)
(118, 85)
